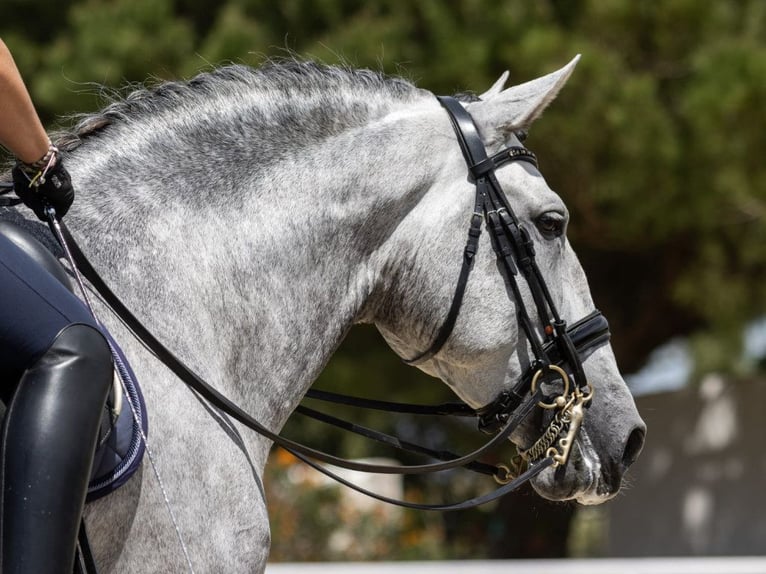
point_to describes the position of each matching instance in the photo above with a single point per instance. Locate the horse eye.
(550, 224)
(521, 135)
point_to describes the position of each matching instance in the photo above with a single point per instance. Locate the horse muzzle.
(591, 475)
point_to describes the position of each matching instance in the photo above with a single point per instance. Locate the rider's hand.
(38, 190)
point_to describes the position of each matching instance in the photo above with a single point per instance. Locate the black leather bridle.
(557, 355)
(515, 252)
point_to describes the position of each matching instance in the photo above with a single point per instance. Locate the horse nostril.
(633, 447)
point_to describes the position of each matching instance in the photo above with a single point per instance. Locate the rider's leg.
(47, 449)
(51, 423)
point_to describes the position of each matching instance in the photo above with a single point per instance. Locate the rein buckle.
(510, 471)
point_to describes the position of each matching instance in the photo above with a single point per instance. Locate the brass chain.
(548, 438)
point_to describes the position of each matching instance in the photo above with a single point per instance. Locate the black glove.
(54, 189)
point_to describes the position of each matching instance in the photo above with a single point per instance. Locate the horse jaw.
(579, 480)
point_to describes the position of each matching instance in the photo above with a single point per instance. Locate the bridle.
(557, 355)
(515, 252)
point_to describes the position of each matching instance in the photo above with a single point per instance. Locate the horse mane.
(291, 94)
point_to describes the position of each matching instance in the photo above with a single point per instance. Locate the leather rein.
(557, 356)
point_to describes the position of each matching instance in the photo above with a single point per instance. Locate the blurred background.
(656, 146)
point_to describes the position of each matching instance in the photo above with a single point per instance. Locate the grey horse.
(250, 217)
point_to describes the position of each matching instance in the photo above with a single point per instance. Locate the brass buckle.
(510, 471)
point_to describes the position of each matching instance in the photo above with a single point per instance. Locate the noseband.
(557, 353)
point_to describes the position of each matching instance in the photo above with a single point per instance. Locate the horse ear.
(496, 88)
(518, 106)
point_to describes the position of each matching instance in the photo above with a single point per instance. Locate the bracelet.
(36, 171)
(43, 161)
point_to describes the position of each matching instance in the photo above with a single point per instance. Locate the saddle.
(120, 448)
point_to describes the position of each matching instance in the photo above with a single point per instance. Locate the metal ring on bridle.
(508, 476)
(587, 397)
(560, 401)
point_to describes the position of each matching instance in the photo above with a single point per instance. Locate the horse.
(250, 217)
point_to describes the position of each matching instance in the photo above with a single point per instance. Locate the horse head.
(487, 349)
(251, 216)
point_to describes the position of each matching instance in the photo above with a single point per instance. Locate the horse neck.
(272, 282)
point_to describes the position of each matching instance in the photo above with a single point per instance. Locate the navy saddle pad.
(121, 443)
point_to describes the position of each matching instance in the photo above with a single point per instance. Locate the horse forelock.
(291, 95)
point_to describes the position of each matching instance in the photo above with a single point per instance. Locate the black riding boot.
(49, 435)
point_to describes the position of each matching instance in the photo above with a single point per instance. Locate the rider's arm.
(20, 128)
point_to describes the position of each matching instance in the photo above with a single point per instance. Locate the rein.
(300, 451)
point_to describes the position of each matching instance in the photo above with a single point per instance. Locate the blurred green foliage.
(655, 144)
